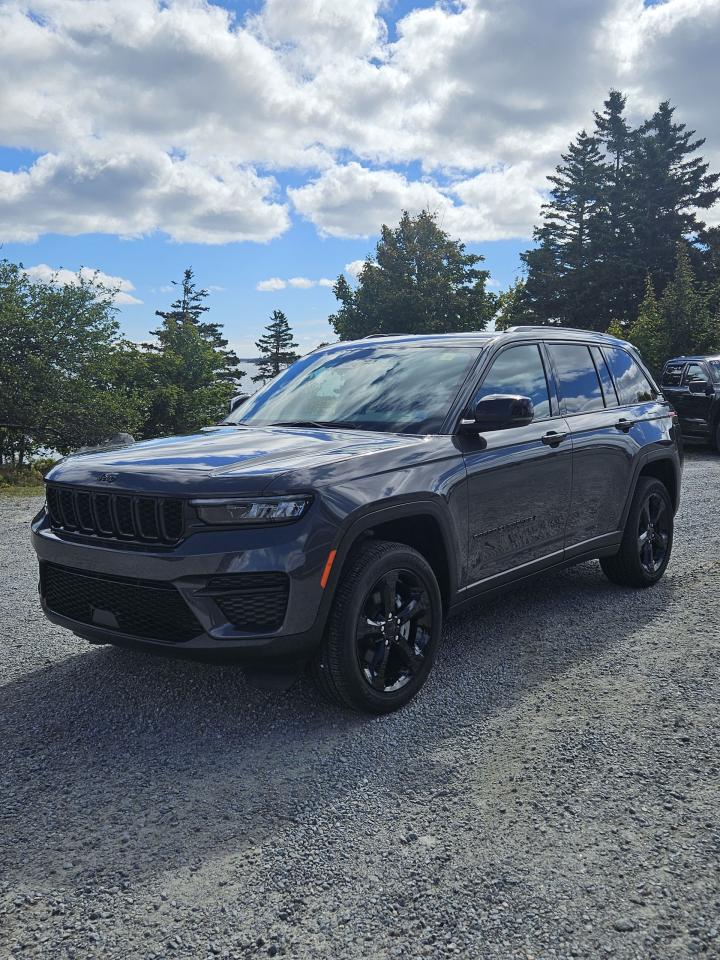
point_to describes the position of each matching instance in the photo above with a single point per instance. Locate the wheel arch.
(422, 525)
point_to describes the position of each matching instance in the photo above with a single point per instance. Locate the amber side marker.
(328, 568)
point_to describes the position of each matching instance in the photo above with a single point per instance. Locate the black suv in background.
(359, 498)
(692, 385)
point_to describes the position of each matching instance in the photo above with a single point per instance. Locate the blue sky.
(268, 140)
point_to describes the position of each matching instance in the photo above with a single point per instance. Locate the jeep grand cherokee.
(373, 488)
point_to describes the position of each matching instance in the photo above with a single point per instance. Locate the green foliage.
(419, 281)
(60, 348)
(512, 308)
(188, 375)
(276, 346)
(620, 202)
(684, 321)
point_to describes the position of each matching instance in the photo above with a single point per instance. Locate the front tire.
(647, 541)
(383, 631)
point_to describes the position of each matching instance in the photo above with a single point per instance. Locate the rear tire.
(647, 540)
(383, 631)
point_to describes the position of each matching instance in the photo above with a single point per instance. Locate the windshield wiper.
(321, 424)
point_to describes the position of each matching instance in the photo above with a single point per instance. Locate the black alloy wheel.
(383, 631)
(647, 539)
(654, 531)
(394, 630)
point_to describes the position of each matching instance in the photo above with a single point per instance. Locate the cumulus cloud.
(61, 275)
(351, 201)
(274, 283)
(299, 283)
(169, 115)
(136, 192)
(355, 268)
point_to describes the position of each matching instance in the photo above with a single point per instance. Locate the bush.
(28, 475)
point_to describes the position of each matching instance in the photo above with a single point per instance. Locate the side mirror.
(238, 400)
(698, 386)
(500, 412)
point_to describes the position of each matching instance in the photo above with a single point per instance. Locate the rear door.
(519, 480)
(603, 454)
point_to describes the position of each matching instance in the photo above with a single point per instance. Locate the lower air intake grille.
(255, 602)
(140, 608)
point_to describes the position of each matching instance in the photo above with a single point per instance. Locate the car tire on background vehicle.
(383, 631)
(647, 540)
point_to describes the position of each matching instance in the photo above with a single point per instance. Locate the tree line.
(620, 246)
(69, 378)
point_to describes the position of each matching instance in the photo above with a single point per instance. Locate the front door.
(694, 408)
(519, 483)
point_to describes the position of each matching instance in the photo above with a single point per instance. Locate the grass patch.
(33, 490)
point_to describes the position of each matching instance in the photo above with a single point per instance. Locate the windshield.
(396, 389)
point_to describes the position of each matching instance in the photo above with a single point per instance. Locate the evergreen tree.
(419, 281)
(669, 185)
(619, 281)
(276, 346)
(512, 310)
(563, 284)
(191, 373)
(684, 321)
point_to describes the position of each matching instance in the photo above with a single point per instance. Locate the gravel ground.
(552, 793)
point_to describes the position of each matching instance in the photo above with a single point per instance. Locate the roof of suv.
(693, 359)
(540, 332)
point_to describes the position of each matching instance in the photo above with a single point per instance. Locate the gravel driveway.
(552, 793)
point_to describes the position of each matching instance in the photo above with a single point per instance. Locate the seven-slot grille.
(139, 608)
(119, 516)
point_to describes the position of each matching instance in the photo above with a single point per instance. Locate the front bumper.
(297, 550)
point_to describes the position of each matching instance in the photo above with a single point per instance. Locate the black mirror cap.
(698, 386)
(501, 411)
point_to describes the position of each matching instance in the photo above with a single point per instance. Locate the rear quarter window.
(632, 384)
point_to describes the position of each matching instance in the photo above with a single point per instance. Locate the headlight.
(270, 510)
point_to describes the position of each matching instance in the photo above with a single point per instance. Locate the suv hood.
(233, 459)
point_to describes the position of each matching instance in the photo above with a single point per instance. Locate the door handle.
(552, 438)
(624, 424)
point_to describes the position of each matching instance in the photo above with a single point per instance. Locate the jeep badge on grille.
(107, 478)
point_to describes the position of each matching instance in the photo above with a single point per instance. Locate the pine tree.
(277, 347)
(189, 308)
(562, 283)
(684, 321)
(669, 185)
(619, 278)
(419, 281)
(192, 374)
(649, 333)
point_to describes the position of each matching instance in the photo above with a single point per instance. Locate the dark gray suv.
(363, 495)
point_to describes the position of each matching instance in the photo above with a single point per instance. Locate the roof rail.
(556, 328)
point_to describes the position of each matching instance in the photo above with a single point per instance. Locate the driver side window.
(519, 371)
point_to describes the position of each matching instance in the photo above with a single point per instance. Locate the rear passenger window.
(632, 384)
(672, 374)
(579, 385)
(608, 388)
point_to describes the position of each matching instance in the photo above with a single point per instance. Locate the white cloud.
(299, 283)
(163, 114)
(137, 192)
(352, 201)
(61, 275)
(274, 283)
(355, 268)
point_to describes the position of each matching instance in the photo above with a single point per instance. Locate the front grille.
(141, 608)
(118, 516)
(255, 602)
